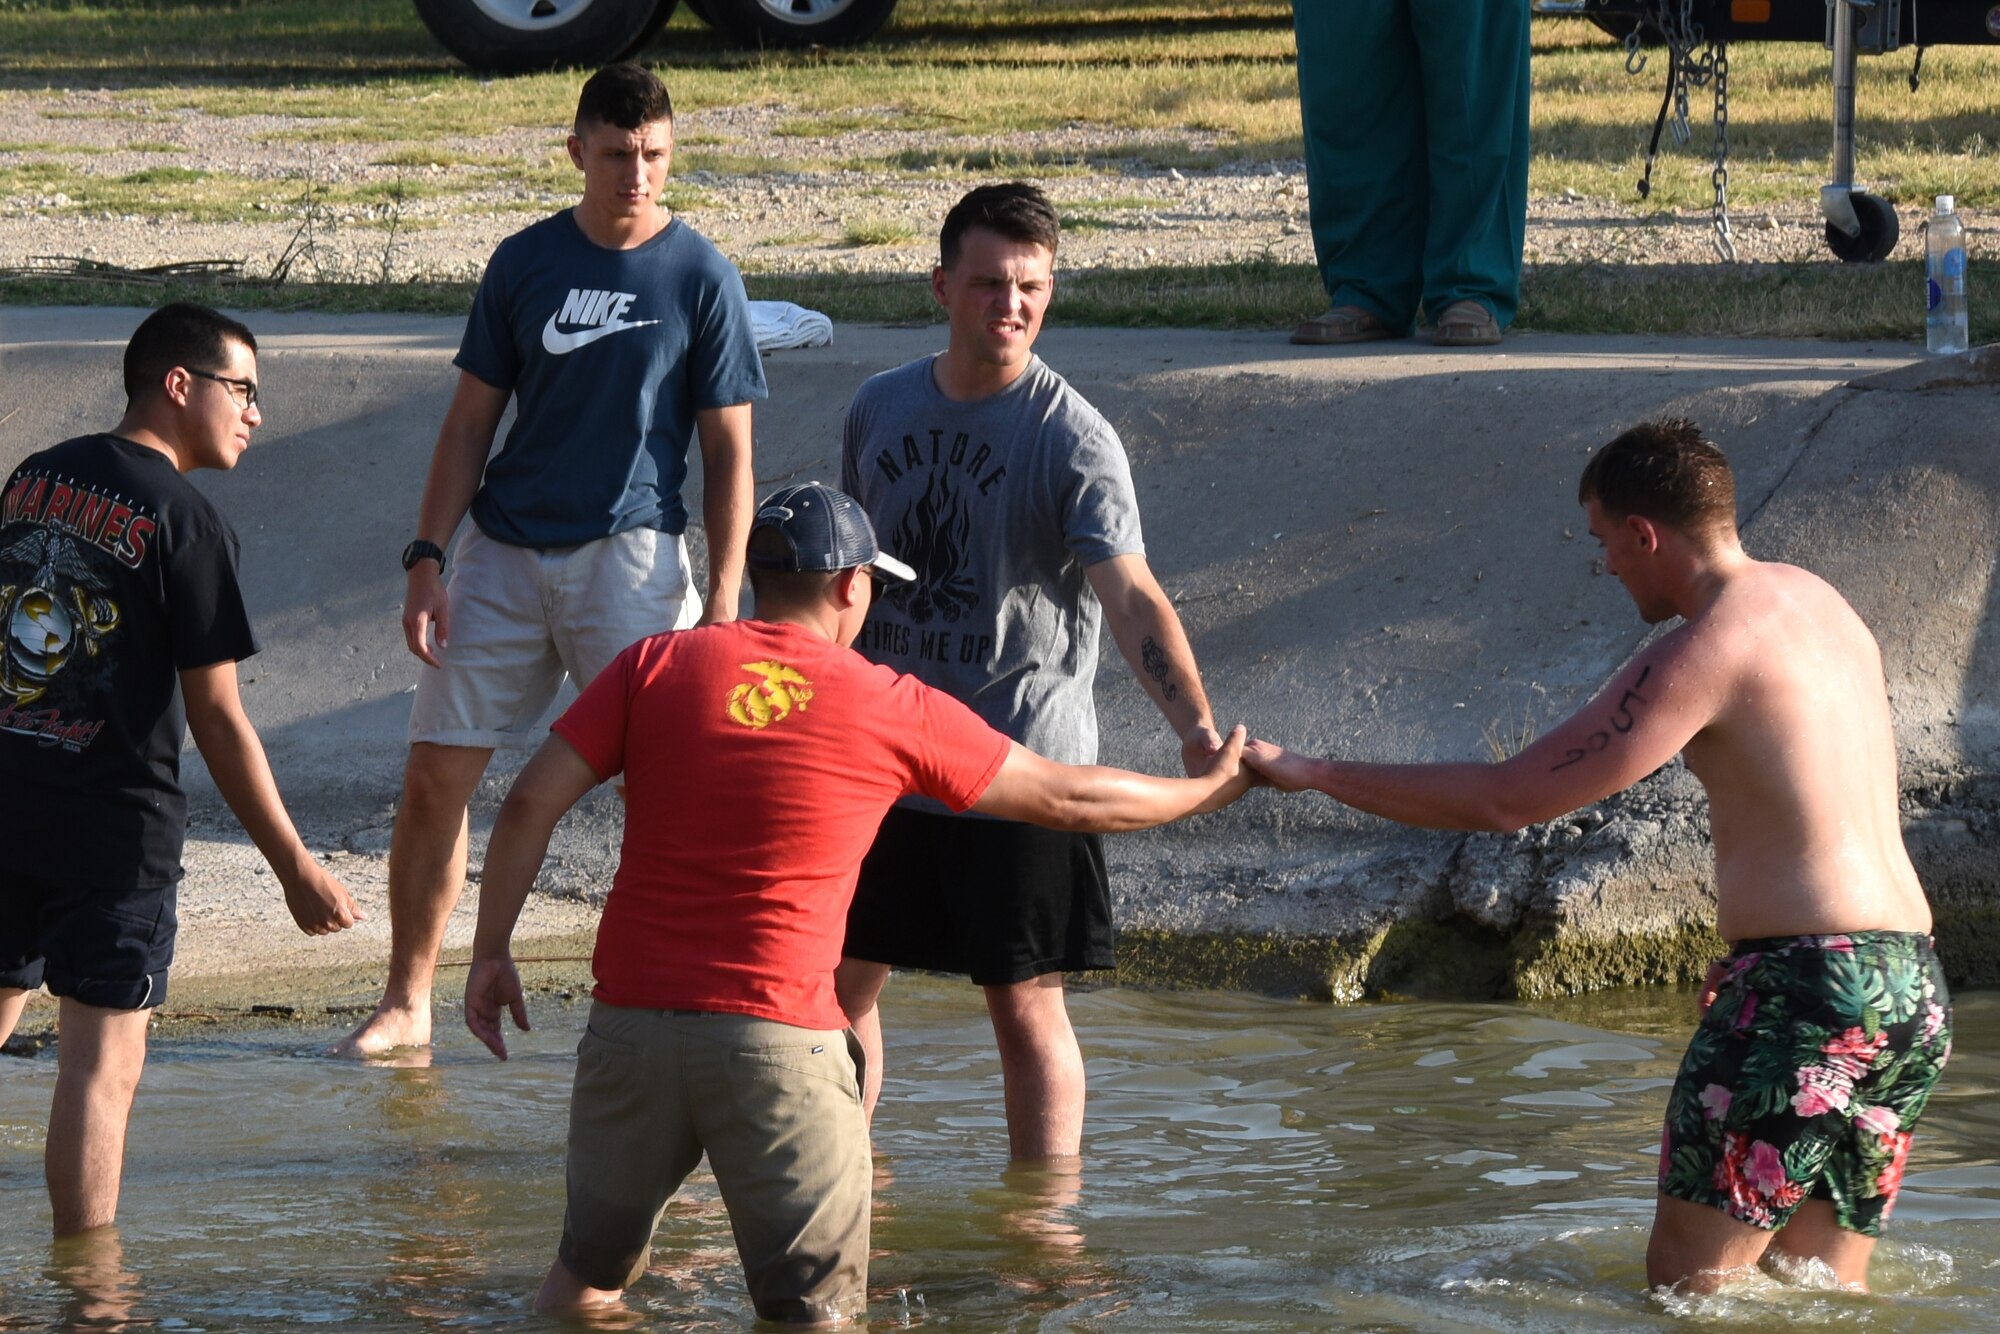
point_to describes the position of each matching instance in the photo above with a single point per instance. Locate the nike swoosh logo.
(556, 342)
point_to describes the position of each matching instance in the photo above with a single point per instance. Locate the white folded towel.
(782, 324)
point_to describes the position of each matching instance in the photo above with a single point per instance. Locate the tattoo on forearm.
(1622, 721)
(1154, 659)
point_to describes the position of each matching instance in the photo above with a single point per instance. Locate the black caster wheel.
(1877, 236)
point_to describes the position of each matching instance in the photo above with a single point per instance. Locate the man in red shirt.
(759, 758)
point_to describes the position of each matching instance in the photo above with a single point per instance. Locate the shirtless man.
(1828, 1023)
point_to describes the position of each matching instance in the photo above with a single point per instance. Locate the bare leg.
(12, 1001)
(1042, 1066)
(858, 983)
(98, 1061)
(102, 1291)
(563, 1293)
(1811, 1234)
(426, 876)
(1698, 1248)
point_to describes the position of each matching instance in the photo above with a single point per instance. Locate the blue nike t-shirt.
(609, 354)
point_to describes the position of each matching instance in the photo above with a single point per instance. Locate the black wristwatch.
(423, 550)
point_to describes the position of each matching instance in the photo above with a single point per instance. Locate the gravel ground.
(1123, 215)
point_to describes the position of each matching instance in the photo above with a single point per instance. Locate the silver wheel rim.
(804, 13)
(532, 15)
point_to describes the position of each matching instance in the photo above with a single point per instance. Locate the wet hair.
(1016, 210)
(181, 334)
(624, 95)
(1663, 471)
(784, 590)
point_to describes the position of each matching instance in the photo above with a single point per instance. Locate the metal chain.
(1725, 243)
(1687, 70)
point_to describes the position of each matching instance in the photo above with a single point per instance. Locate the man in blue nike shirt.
(619, 333)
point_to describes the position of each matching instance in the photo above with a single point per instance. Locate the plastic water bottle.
(1944, 275)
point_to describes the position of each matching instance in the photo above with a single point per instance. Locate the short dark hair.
(1666, 472)
(624, 95)
(181, 334)
(784, 590)
(1016, 210)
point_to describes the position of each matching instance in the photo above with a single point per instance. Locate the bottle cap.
(1945, 203)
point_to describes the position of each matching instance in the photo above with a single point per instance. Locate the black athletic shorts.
(998, 900)
(107, 948)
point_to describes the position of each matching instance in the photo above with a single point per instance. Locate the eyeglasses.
(242, 392)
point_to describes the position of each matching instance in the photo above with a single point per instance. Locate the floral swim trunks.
(1807, 1076)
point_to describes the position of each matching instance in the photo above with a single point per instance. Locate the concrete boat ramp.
(1377, 552)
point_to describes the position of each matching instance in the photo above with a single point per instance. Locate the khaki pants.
(778, 1111)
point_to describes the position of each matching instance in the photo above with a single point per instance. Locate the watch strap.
(423, 549)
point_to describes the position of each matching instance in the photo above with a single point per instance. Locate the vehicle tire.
(760, 23)
(522, 36)
(1879, 230)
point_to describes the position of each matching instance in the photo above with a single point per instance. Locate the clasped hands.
(1270, 765)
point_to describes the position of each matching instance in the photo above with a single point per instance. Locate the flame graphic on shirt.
(758, 704)
(934, 536)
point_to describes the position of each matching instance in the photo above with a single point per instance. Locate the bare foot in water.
(390, 1028)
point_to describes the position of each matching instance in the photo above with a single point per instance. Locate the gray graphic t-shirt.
(999, 505)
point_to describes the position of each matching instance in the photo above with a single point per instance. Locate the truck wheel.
(759, 23)
(520, 36)
(1879, 230)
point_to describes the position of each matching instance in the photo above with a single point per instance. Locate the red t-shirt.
(759, 759)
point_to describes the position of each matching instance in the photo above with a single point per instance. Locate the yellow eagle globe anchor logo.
(759, 704)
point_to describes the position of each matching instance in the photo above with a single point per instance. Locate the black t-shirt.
(115, 576)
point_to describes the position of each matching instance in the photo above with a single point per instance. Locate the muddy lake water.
(1251, 1164)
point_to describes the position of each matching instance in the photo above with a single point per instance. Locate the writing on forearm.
(1154, 659)
(1622, 720)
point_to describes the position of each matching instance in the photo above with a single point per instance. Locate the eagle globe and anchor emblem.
(44, 629)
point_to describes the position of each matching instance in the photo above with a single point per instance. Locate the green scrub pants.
(1416, 130)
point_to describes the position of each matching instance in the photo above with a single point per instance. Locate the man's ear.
(177, 385)
(937, 283)
(847, 588)
(1645, 532)
(575, 146)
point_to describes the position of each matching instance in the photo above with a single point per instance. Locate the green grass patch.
(329, 298)
(727, 162)
(163, 176)
(1862, 302)
(110, 115)
(878, 231)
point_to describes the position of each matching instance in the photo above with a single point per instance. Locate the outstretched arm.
(319, 903)
(728, 489)
(1148, 632)
(1097, 799)
(1654, 706)
(552, 782)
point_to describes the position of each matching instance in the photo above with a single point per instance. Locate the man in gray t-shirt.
(1012, 499)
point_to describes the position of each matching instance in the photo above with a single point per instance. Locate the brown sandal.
(1342, 324)
(1466, 324)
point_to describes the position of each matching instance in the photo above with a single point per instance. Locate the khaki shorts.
(520, 617)
(777, 1109)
